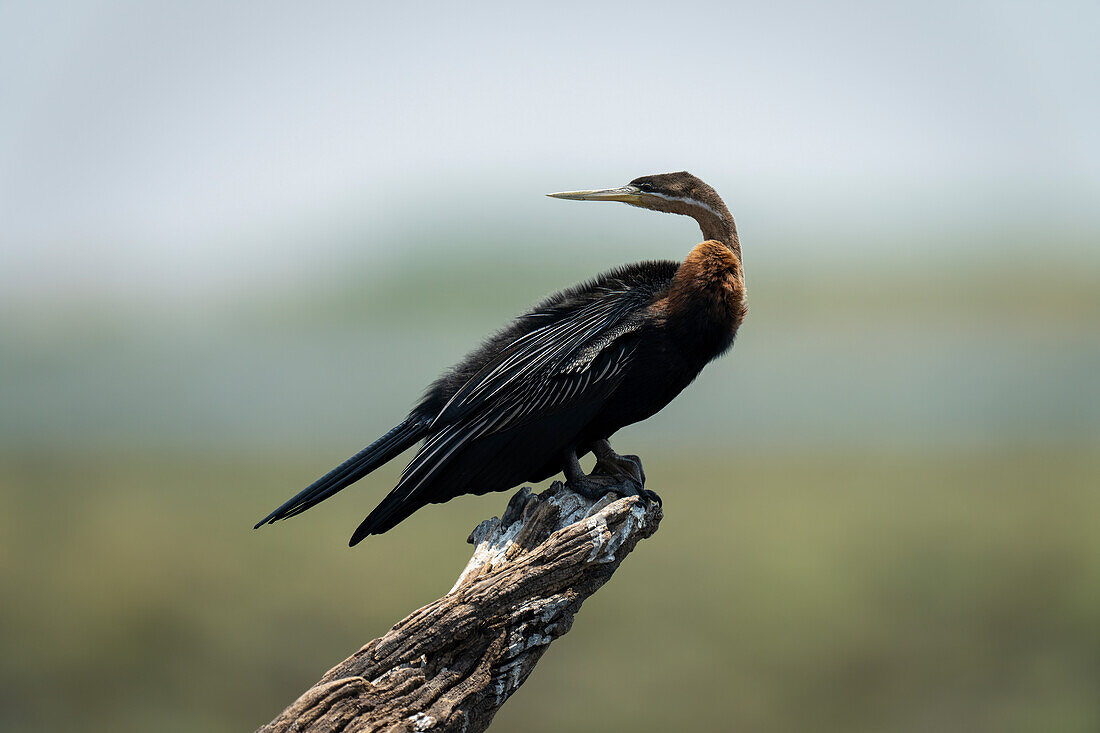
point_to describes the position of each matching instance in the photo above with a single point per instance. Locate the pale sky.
(167, 147)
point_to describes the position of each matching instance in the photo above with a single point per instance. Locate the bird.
(558, 381)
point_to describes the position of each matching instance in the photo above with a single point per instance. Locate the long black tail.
(351, 470)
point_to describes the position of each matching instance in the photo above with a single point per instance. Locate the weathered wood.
(450, 665)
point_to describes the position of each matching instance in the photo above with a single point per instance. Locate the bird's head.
(674, 193)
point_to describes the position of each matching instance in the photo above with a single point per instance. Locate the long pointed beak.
(626, 194)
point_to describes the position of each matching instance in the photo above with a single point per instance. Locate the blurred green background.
(237, 244)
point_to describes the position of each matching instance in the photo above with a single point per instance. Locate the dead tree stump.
(450, 665)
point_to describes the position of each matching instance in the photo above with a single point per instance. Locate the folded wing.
(572, 358)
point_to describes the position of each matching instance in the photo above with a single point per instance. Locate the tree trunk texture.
(450, 665)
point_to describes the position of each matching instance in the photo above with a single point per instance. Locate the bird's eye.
(645, 187)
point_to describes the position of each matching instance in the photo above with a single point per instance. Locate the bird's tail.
(351, 470)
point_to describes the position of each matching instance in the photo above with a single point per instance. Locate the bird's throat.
(720, 228)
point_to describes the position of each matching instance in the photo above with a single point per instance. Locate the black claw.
(631, 488)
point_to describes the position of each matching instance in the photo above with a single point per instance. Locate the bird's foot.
(615, 465)
(595, 485)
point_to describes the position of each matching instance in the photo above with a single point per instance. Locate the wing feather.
(574, 357)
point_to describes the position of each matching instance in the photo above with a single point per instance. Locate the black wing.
(577, 357)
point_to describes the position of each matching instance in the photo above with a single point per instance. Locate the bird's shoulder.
(632, 286)
(638, 280)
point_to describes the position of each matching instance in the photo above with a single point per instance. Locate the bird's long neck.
(716, 223)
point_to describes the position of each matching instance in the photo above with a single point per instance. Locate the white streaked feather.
(684, 199)
(544, 370)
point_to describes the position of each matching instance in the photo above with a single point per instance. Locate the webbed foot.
(616, 465)
(593, 486)
(613, 473)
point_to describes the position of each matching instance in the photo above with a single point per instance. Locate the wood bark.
(450, 665)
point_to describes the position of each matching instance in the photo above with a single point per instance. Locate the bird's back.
(645, 282)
